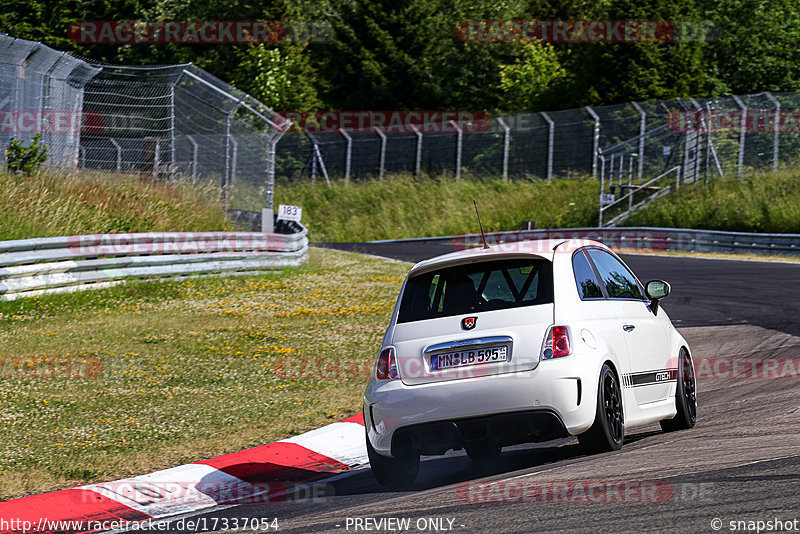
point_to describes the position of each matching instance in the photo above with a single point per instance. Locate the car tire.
(685, 397)
(608, 430)
(483, 454)
(393, 473)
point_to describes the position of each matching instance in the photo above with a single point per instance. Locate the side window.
(588, 288)
(619, 282)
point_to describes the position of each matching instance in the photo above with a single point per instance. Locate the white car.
(523, 343)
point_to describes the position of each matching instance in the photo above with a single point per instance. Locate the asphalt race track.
(741, 462)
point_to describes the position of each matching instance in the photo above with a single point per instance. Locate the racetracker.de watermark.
(198, 32)
(50, 367)
(390, 122)
(746, 367)
(734, 121)
(179, 493)
(534, 242)
(584, 31)
(171, 243)
(50, 122)
(574, 492)
(310, 368)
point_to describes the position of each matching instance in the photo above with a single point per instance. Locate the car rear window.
(476, 287)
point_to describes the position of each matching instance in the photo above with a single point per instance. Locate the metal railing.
(650, 239)
(640, 193)
(58, 264)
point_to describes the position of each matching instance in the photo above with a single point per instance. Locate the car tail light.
(386, 366)
(557, 343)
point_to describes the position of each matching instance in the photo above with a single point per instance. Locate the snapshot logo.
(385, 122)
(50, 122)
(734, 121)
(198, 32)
(582, 31)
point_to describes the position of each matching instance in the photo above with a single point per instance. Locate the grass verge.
(764, 202)
(57, 203)
(401, 207)
(105, 384)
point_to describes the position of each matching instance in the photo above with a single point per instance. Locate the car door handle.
(628, 327)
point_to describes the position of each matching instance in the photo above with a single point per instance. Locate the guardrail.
(56, 264)
(637, 238)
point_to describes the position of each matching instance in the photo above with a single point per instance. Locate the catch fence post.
(550, 139)
(776, 131)
(742, 132)
(506, 145)
(348, 154)
(382, 162)
(459, 140)
(595, 139)
(642, 130)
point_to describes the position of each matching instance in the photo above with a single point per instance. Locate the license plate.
(468, 357)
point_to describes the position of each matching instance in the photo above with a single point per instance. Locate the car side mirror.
(656, 290)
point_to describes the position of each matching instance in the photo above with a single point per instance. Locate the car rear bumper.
(485, 431)
(556, 399)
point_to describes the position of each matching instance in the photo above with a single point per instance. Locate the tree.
(611, 73)
(401, 54)
(755, 46)
(529, 83)
(281, 77)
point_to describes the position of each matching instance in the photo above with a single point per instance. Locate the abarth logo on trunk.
(468, 323)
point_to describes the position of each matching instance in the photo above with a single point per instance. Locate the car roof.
(539, 248)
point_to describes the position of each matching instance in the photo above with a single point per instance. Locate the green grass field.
(402, 207)
(105, 384)
(768, 202)
(398, 207)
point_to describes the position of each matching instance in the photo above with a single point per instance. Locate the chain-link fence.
(561, 143)
(180, 122)
(690, 140)
(171, 122)
(41, 91)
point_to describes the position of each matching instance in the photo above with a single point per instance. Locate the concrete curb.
(262, 474)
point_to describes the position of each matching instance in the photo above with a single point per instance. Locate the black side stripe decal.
(649, 377)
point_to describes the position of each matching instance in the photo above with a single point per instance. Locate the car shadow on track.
(456, 467)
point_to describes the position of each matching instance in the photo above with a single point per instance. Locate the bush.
(26, 160)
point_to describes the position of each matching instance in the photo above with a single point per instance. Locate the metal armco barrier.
(637, 238)
(56, 264)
